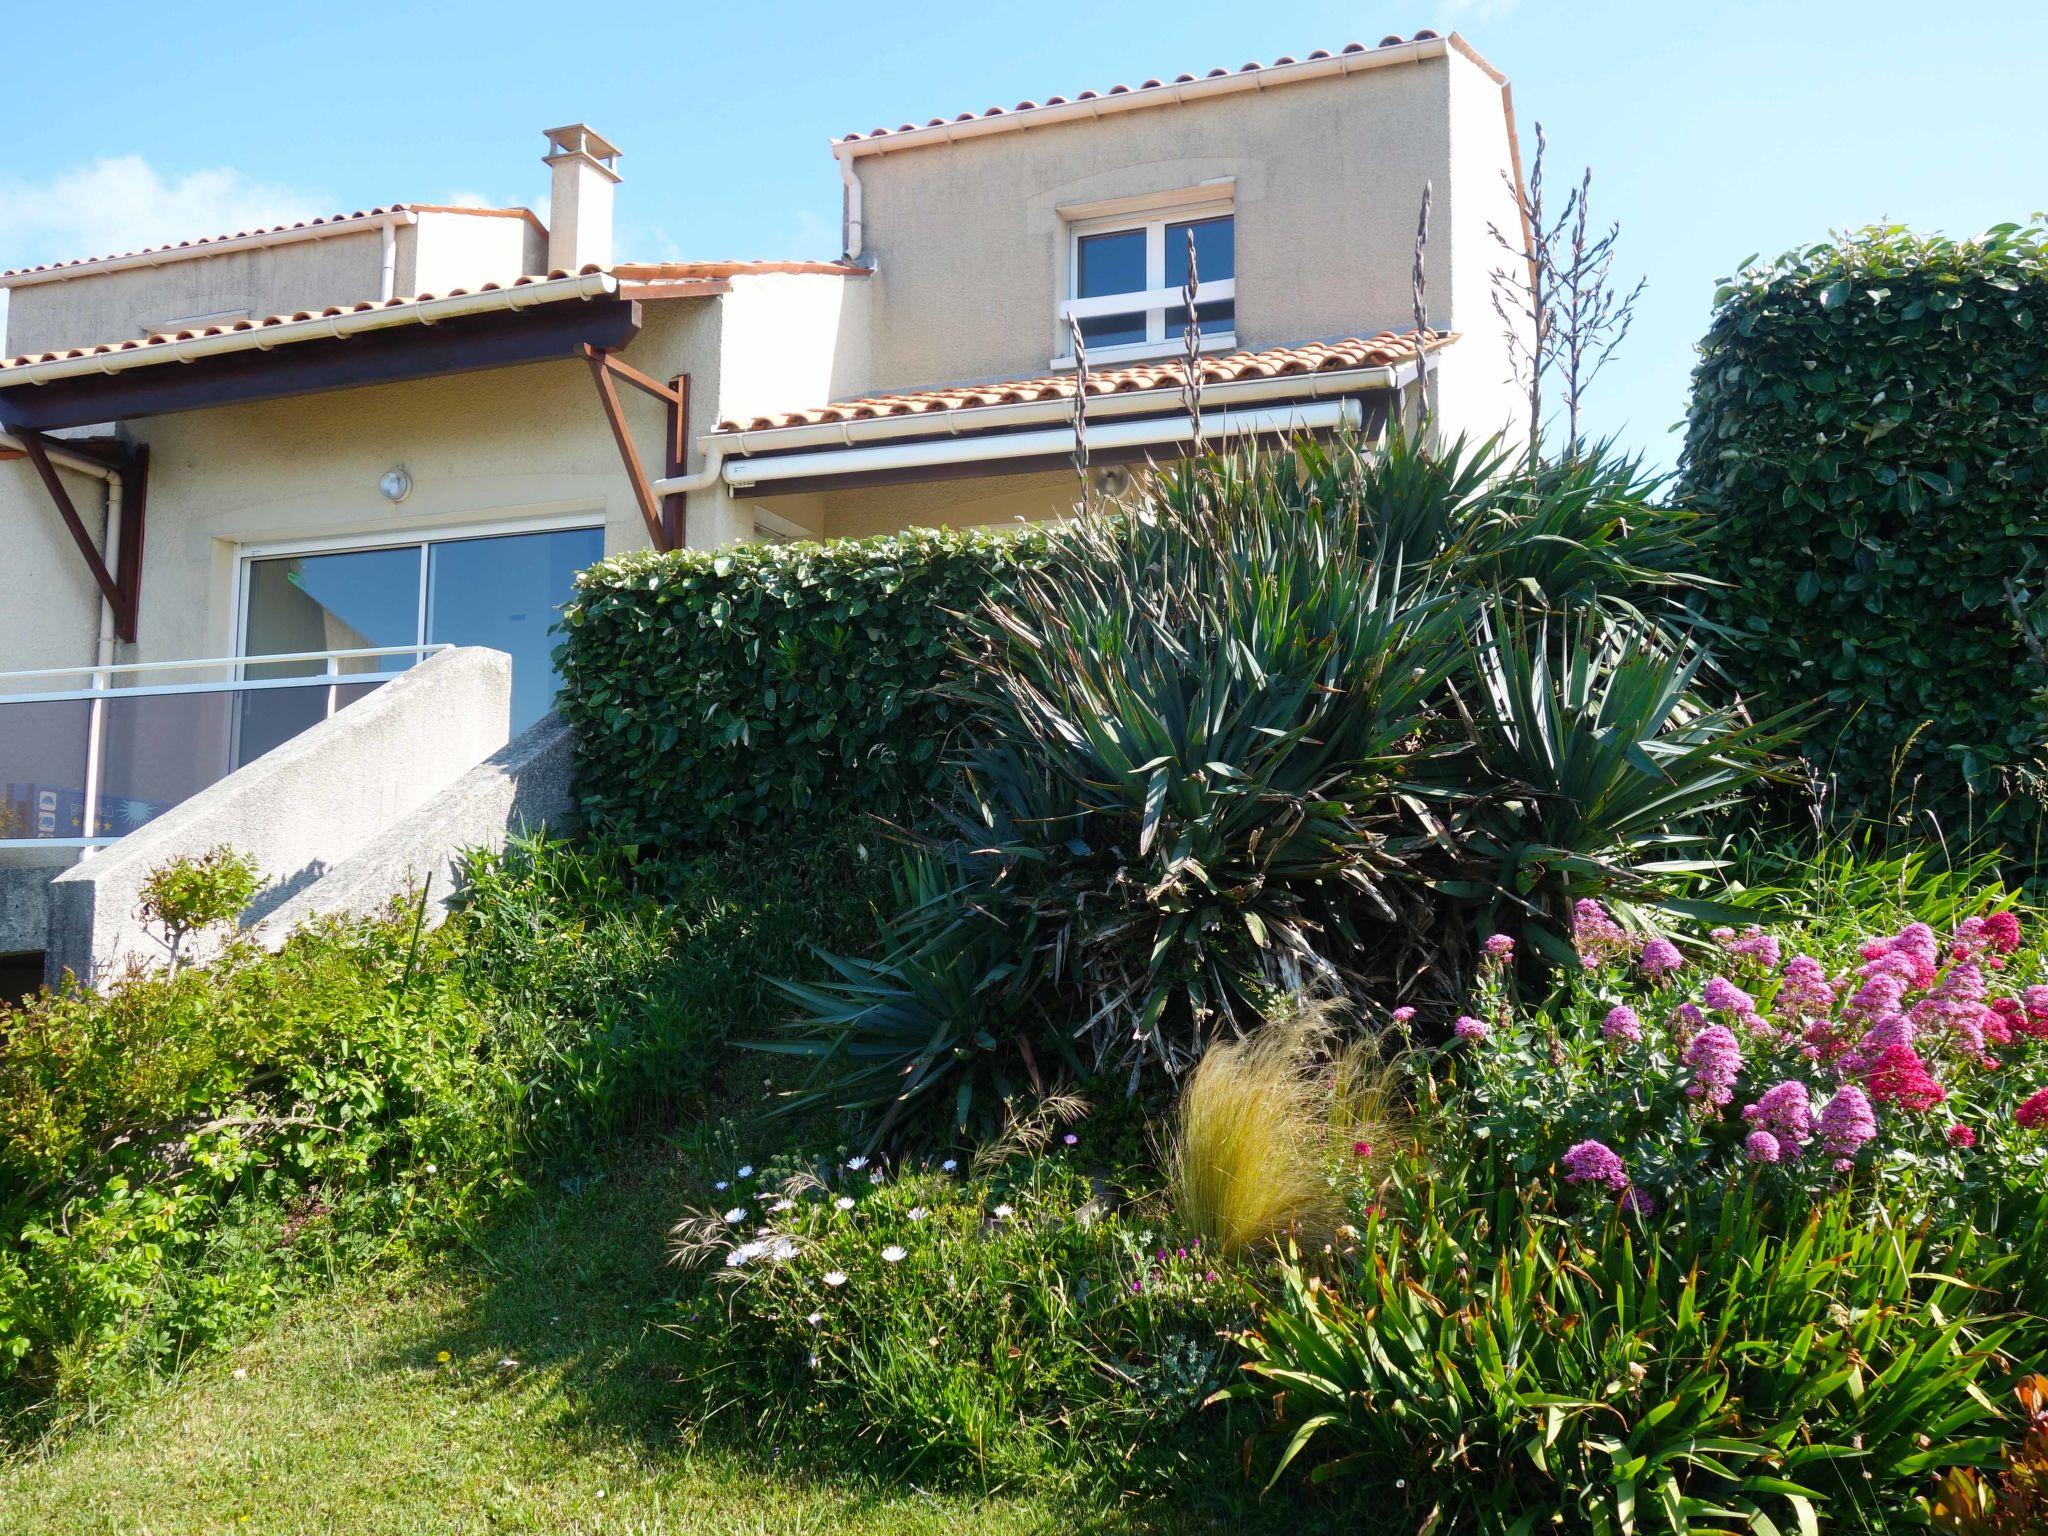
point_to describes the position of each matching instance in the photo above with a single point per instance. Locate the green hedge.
(717, 691)
(1869, 435)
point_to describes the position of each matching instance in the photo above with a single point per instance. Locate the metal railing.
(81, 765)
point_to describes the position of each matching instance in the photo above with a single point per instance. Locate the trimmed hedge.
(1869, 439)
(717, 691)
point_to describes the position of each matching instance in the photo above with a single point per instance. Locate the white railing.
(50, 734)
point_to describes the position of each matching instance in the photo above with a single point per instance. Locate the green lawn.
(527, 1388)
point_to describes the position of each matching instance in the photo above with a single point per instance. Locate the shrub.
(1486, 1366)
(770, 686)
(186, 895)
(1006, 1325)
(2015, 1502)
(1868, 444)
(1271, 723)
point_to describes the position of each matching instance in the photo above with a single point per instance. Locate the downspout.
(387, 288)
(851, 231)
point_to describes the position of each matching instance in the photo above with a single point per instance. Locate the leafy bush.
(769, 686)
(182, 1150)
(187, 895)
(1868, 444)
(1488, 1366)
(1908, 1061)
(1007, 1325)
(2015, 1502)
(1283, 718)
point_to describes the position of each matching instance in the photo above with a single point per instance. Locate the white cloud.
(123, 203)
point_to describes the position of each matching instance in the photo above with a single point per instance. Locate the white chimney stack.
(580, 210)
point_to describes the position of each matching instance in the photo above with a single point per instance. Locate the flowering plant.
(1913, 1059)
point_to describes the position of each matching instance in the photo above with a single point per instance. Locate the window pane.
(357, 600)
(1215, 250)
(1113, 263)
(1113, 330)
(505, 593)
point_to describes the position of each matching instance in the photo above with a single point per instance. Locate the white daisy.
(918, 1213)
(844, 1203)
(835, 1278)
(780, 1206)
(856, 1163)
(875, 1177)
(784, 1249)
(949, 1165)
(746, 1171)
(735, 1259)
(736, 1215)
(815, 1318)
(1005, 1212)
(892, 1254)
(721, 1186)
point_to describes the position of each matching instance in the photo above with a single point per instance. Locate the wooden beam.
(675, 520)
(37, 455)
(643, 492)
(128, 558)
(559, 330)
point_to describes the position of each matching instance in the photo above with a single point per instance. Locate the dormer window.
(1127, 271)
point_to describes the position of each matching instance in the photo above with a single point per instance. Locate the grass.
(525, 1389)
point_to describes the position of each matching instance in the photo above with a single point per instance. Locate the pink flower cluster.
(1596, 936)
(1715, 1057)
(1594, 1162)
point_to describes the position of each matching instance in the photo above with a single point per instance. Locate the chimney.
(580, 212)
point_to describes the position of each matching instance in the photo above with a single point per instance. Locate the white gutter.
(193, 250)
(590, 285)
(1152, 96)
(851, 229)
(1148, 432)
(719, 447)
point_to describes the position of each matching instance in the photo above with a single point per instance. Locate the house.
(348, 441)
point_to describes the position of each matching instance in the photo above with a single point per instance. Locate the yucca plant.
(1194, 732)
(1595, 764)
(938, 1024)
(1509, 1370)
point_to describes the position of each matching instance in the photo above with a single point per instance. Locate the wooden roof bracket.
(667, 526)
(122, 587)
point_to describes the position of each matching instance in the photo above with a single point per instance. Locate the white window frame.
(1160, 303)
(423, 538)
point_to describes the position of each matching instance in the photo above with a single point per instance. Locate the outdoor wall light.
(394, 485)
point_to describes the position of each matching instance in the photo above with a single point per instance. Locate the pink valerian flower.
(1720, 995)
(1846, 1125)
(1596, 936)
(1622, 1025)
(1500, 947)
(1403, 1015)
(1637, 1201)
(1754, 944)
(1594, 1162)
(1686, 1021)
(1882, 993)
(1805, 992)
(2035, 1003)
(1715, 1057)
(2004, 1018)
(1961, 1136)
(1913, 948)
(1469, 1028)
(1893, 1029)
(1660, 958)
(1760, 1147)
(1361, 1149)
(1900, 1077)
(1756, 1023)
(1995, 933)
(2032, 1115)
(1786, 1111)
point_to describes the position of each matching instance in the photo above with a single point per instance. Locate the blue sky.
(1714, 130)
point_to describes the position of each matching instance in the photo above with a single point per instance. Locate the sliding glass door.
(501, 590)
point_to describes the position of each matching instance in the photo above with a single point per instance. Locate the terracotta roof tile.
(1274, 362)
(144, 343)
(1251, 67)
(180, 246)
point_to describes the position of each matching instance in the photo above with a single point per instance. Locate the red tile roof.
(1379, 351)
(177, 247)
(164, 339)
(1251, 68)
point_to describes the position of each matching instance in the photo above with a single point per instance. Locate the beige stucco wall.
(49, 603)
(972, 250)
(114, 306)
(439, 251)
